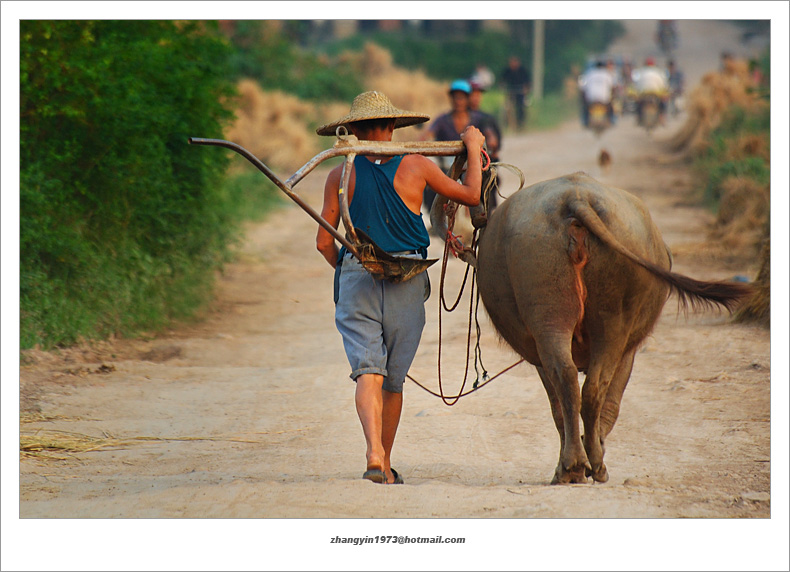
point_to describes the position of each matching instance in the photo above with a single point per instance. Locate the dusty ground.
(250, 413)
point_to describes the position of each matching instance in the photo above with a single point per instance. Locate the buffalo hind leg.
(563, 377)
(614, 395)
(554, 401)
(601, 397)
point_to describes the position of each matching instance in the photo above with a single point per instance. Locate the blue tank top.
(378, 210)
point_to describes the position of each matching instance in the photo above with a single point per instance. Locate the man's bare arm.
(325, 242)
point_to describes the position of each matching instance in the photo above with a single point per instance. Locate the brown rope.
(473, 309)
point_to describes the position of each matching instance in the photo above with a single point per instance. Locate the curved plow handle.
(284, 187)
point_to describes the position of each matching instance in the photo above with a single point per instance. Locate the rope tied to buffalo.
(453, 244)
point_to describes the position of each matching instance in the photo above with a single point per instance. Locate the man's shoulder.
(478, 116)
(414, 160)
(443, 118)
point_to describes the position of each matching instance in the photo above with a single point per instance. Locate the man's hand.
(473, 137)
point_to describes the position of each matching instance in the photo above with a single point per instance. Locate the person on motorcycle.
(651, 81)
(676, 85)
(596, 86)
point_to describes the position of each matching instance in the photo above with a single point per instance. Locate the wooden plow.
(379, 263)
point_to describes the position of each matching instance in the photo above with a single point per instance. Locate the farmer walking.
(381, 322)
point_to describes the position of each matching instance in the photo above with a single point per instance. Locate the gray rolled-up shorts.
(381, 322)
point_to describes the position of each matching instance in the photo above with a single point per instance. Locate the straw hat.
(373, 105)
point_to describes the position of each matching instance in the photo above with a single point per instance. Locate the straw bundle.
(707, 103)
(47, 440)
(279, 128)
(743, 213)
(758, 308)
(749, 145)
(407, 90)
(273, 126)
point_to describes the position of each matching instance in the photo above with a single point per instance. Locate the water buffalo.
(574, 275)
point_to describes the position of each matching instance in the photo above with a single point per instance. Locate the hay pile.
(708, 102)
(413, 91)
(741, 228)
(743, 213)
(280, 129)
(757, 309)
(276, 127)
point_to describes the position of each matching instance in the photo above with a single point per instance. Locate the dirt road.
(250, 414)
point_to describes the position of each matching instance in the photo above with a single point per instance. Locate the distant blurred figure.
(489, 124)
(449, 126)
(491, 130)
(651, 82)
(667, 36)
(518, 83)
(629, 92)
(725, 61)
(676, 86)
(483, 77)
(756, 75)
(597, 86)
(618, 89)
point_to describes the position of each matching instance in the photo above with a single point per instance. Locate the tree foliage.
(449, 55)
(119, 216)
(269, 52)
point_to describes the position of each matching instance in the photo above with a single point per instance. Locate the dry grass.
(43, 442)
(735, 236)
(740, 228)
(280, 129)
(273, 126)
(743, 211)
(708, 102)
(749, 145)
(413, 91)
(757, 309)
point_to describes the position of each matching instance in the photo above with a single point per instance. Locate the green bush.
(748, 167)
(716, 164)
(122, 223)
(250, 195)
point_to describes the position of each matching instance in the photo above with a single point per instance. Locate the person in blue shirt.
(450, 125)
(380, 321)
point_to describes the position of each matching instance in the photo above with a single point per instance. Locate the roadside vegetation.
(124, 226)
(728, 139)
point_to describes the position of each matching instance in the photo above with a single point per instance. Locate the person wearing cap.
(651, 80)
(381, 322)
(490, 128)
(449, 126)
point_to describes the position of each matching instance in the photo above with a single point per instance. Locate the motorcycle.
(649, 111)
(598, 118)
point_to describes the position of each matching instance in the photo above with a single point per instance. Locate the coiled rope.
(452, 243)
